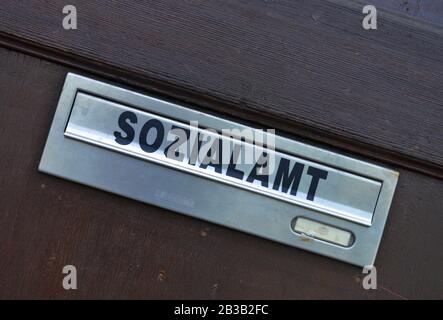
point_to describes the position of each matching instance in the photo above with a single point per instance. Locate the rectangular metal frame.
(204, 198)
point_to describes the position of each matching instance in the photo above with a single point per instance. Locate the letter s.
(126, 127)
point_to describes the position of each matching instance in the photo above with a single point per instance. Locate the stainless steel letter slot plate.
(161, 153)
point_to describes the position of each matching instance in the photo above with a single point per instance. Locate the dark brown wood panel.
(126, 249)
(306, 67)
(427, 10)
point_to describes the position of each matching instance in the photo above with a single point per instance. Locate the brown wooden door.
(306, 68)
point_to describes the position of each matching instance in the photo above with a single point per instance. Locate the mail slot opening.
(173, 143)
(317, 230)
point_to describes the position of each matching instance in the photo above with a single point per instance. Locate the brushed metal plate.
(84, 146)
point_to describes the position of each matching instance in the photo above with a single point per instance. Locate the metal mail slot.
(162, 153)
(337, 192)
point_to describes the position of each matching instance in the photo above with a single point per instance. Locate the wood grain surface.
(125, 249)
(427, 10)
(306, 67)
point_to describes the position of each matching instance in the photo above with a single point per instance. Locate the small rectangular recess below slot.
(322, 231)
